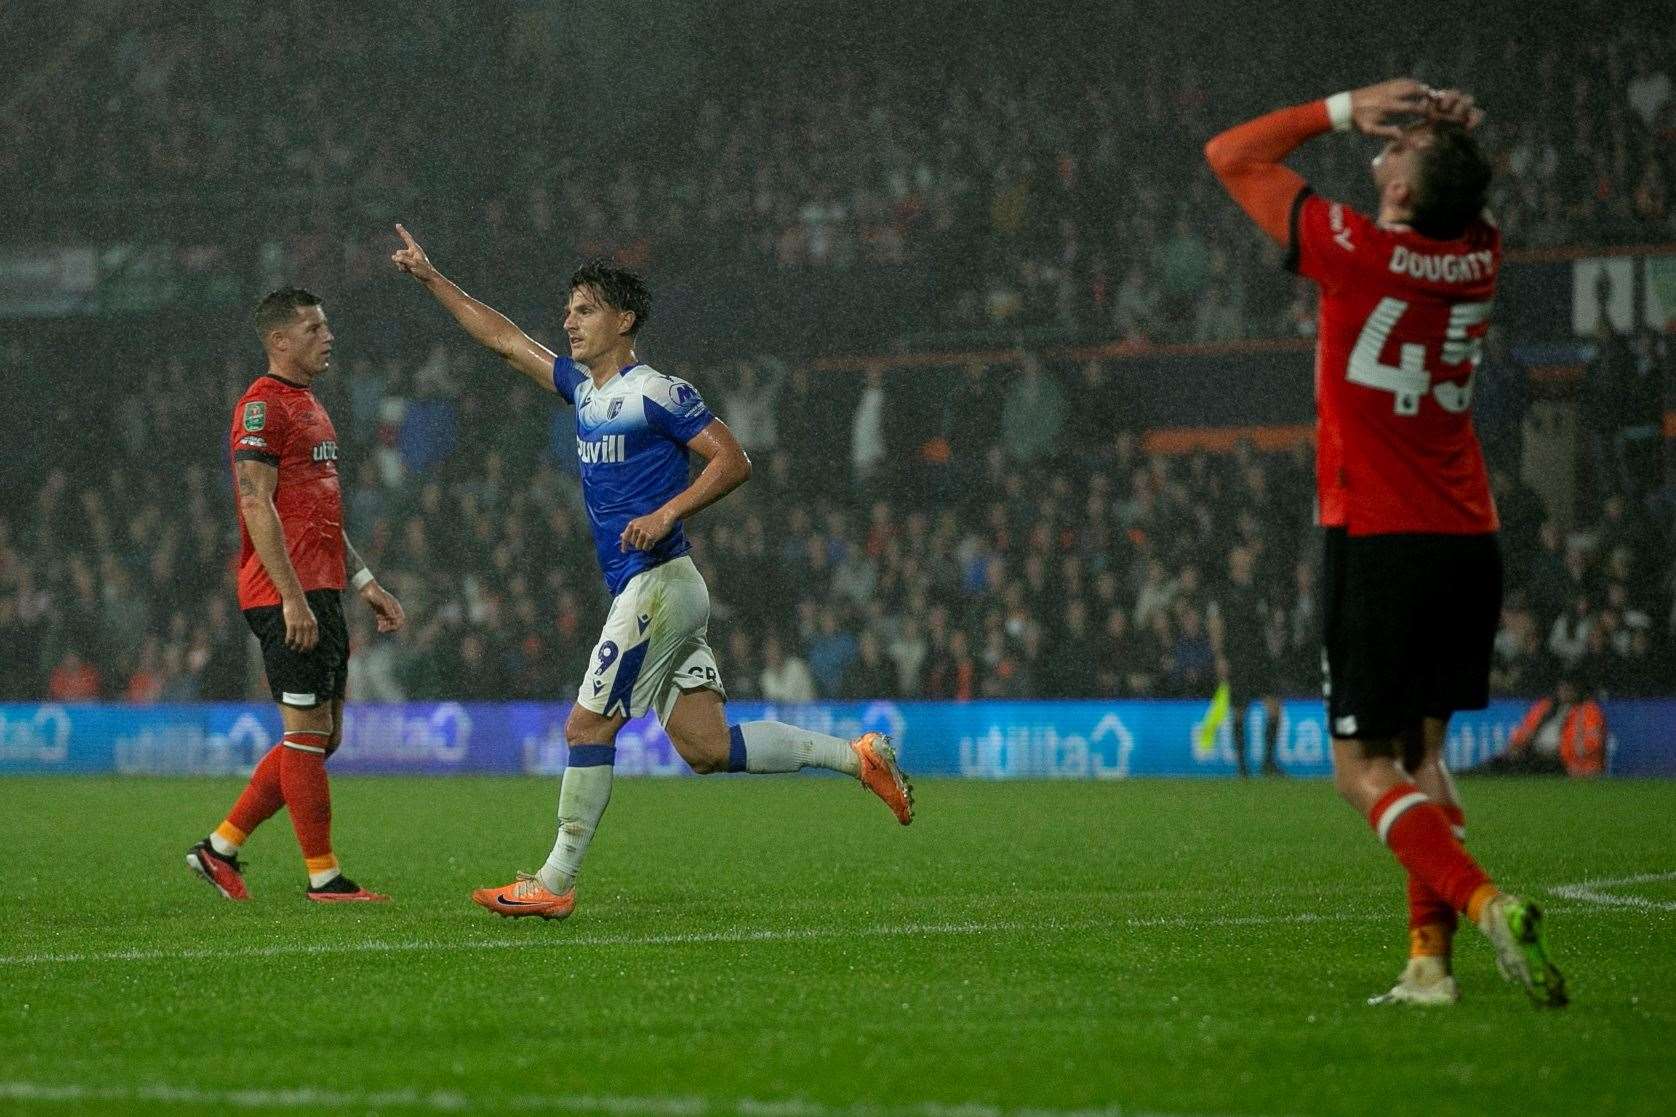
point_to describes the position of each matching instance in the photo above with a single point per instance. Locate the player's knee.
(1345, 783)
(1349, 776)
(315, 719)
(584, 727)
(704, 756)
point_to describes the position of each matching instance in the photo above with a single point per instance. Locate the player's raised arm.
(725, 468)
(486, 325)
(256, 483)
(1247, 158)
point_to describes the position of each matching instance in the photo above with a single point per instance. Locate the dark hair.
(1451, 181)
(620, 288)
(278, 308)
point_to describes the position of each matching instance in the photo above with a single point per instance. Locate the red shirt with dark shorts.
(1402, 324)
(281, 424)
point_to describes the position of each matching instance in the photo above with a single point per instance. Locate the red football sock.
(260, 798)
(1425, 907)
(1418, 833)
(302, 778)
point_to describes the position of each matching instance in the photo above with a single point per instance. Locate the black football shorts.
(304, 679)
(1410, 625)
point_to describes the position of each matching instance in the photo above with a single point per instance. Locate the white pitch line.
(1590, 892)
(696, 938)
(737, 935)
(693, 938)
(314, 1100)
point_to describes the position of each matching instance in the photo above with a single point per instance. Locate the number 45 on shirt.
(1409, 380)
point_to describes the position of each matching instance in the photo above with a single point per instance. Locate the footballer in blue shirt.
(635, 427)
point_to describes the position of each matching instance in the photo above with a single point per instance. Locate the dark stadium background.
(991, 226)
(929, 190)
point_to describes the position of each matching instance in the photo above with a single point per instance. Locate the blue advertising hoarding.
(979, 740)
(1642, 737)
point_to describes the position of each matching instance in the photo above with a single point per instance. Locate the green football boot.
(1514, 928)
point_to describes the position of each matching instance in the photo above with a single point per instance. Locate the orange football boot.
(881, 775)
(526, 896)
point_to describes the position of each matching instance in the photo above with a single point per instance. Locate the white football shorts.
(653, 644)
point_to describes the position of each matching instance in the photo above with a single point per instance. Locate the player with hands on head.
(294, 563)
(1412, 568)
(635, 428)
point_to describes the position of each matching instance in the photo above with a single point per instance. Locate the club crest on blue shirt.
(611, 412)
(684, 397)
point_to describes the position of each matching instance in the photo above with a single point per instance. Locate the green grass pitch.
(780, 948)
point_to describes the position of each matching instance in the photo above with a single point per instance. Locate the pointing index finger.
(401, 230)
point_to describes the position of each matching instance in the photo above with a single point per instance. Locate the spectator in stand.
(744, 679)
(784, 678)
(147, 682)
(867, 432)
(1648, 89)
(373, 663)
(1605, 406)
(750, 406)
(1069, 668)
(1184, 267)
(830, 652)
(1033, 413)
(1218, 315)
(870, 674)
(1156, 594)
(74, 680)
(1568, 638)
(1136, 314)
(1126, 665)
(908, 652)
(1192, 671)
(951, 672)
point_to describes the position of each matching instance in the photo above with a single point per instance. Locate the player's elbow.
(1221, 155)
(742, 468)
(1214, 152)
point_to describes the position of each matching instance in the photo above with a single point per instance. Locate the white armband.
(363, 578)
(1338, 111)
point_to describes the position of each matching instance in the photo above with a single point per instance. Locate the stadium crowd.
(1012, 186)
(912, 537)
(1032, 184)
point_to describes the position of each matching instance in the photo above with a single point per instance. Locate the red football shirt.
(1402, 325)
(281, 424)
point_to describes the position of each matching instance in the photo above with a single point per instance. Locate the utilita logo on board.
(1043, 750)
(398, 734)
(188, 748)
(41, 738)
